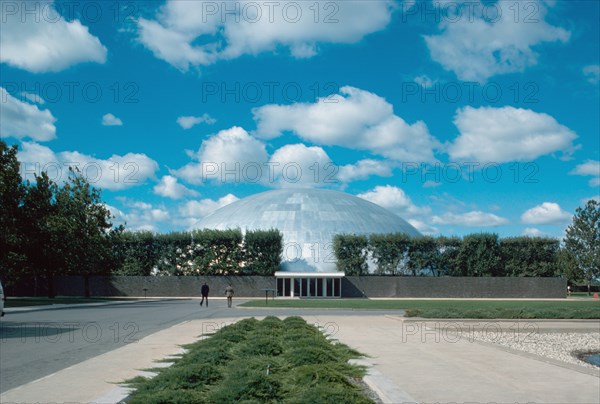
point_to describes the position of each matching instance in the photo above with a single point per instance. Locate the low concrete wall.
(352, 286)
(453, 287)
(164, 286)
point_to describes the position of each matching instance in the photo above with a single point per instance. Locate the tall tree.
(82, 229)
(11, 200)
(262, 251)
(479, 255)
(448, 248)
(137, 253)
(389, 251)
(529, 256)
(567, 266)
(44, 260)
(583, 240)
(351, 251)
(422, 254)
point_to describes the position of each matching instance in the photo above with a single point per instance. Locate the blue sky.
(460, 117)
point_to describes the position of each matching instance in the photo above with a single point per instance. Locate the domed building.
(308, 220)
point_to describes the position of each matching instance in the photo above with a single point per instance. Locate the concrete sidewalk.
(411, 362)
(429, 365)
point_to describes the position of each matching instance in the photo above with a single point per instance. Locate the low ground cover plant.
(252, 361)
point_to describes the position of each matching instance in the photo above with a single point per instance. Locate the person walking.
(204, 292)
(229, 294)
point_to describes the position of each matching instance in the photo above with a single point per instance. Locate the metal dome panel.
(308, 220)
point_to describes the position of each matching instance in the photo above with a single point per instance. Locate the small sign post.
(267, 290)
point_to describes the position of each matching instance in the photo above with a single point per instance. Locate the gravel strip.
(557, 346)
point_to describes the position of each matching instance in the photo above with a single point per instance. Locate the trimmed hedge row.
(199, 252)
(481, 254)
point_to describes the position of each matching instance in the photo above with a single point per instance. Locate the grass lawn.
(583, 294)
(510, 309)
(251, 361)
(44, 301)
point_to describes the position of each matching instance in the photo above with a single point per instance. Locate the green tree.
(12, 193)
(567, 266)
(44, 259)
(583, 240)
(479, 255)
(423, 254)
(262, 251)
(176, 254)
(351, 252)
(82, 229)
(389, 251)
(448, 248)
(137, 253)
(529, 256)
(224, 250)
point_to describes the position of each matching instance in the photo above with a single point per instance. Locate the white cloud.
(111, 120)
(190, 34)
(592, 73)
(142, 216)
(474, 218)
(187, 122)
(228, 156)
(424, 81)
(33, 97)
(139, 205)
(394, 199)
(595, 198)
(170, 188)
(356, 119)
(232, 155)
(423, 227)
(158, 215)
(232, 146)
(546, 213)
(431, 184)
(43, 41)
(115, 173)
(505, 134)
(533, 232)
(589, 168)
(296, 165)
(21, 120)
(476, 49)
(198, 209)
(363, 169)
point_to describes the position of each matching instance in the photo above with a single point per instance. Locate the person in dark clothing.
(204, 291)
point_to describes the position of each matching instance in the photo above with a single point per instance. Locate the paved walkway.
(412, 362)
(428, 364)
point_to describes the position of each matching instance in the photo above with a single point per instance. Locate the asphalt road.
(38, 343)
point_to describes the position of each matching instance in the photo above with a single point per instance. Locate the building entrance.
(309, 284)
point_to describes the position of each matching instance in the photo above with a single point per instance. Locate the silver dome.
(308, 220)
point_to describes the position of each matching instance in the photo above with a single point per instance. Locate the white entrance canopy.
(309, 284)
(282, 274)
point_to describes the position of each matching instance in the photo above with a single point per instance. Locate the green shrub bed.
(251, 361)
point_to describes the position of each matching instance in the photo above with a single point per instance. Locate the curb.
(387, 391)
(27, 309)
(499, 320)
